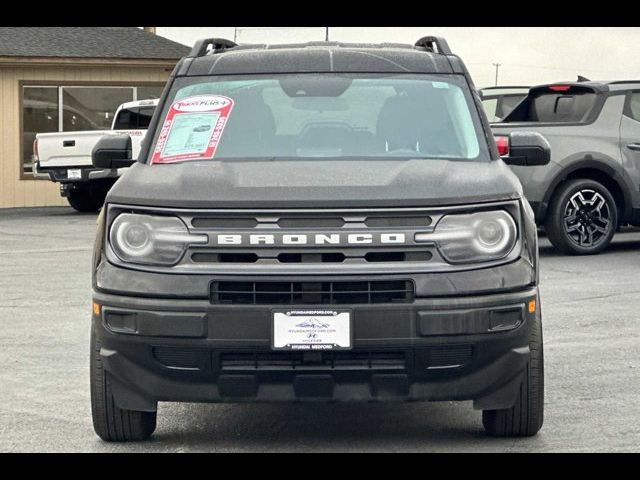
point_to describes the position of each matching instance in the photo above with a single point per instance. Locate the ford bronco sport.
(317, 222)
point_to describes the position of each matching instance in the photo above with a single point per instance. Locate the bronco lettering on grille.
(311, 239)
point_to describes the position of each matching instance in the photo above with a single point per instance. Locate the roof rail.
(622, 82)
(200, 49)
(439, 42)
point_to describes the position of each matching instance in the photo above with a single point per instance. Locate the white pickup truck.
(65, 157)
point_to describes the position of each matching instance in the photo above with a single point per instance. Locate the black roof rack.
(439, 42)
(201, 47)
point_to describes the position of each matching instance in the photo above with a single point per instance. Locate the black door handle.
(634, 146)
(68, 143)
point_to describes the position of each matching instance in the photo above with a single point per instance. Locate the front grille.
(307, 293)
(290, 240)
(286, 361)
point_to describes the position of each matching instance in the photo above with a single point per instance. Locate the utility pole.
(326, 34)
(497, 65)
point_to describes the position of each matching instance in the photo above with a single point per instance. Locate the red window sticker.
(192, 129)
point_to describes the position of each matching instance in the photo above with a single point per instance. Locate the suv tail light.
(35, 149)
(502, 142)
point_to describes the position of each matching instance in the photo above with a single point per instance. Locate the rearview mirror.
(527, 149)
(112, 151)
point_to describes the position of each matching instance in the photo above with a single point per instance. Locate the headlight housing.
(474, 238)
(150, 239)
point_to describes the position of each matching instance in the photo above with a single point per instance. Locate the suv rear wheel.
(525, 418)
(111, 423)
(582, 218)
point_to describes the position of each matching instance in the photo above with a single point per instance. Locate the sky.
(527, 56)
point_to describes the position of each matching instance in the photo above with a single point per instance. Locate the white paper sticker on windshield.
(192, 129)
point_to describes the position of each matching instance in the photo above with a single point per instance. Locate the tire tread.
(111, 423)
(525, 418)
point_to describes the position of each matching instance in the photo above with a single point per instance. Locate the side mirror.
(525, 149)
(112, 151)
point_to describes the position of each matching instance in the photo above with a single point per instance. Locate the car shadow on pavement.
(418, 426)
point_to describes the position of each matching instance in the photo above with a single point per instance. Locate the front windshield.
(296, 116)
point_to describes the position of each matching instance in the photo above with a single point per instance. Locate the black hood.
(315, 183)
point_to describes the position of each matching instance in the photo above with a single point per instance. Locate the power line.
(560, 69)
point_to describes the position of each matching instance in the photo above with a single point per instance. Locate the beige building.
(67, 79)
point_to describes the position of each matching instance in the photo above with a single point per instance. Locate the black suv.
(317, 222)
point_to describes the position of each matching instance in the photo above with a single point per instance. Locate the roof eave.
(14, 61)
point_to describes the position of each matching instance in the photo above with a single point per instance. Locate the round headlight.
(492, 234)
(136, 236)
(151, 240)
(473, 238)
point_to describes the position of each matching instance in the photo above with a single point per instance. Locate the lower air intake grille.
(450, 356)
(178, 358)
(311, 293)
(285, 361)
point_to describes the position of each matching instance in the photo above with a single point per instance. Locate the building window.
(149, 93)
(92, 108)
(72, 108)
(40, 114)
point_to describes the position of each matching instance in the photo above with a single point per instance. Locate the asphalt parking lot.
(592, 355)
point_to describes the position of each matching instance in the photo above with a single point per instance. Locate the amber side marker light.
(96, 309)
(532, 306)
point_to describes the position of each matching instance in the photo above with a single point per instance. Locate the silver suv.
(592, 185)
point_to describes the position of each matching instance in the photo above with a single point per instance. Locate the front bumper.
(454, 348)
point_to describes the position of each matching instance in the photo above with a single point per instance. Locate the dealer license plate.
(312, 330)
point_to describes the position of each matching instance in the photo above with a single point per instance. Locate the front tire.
(582, 218)
(111, 423)
(525, 418)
